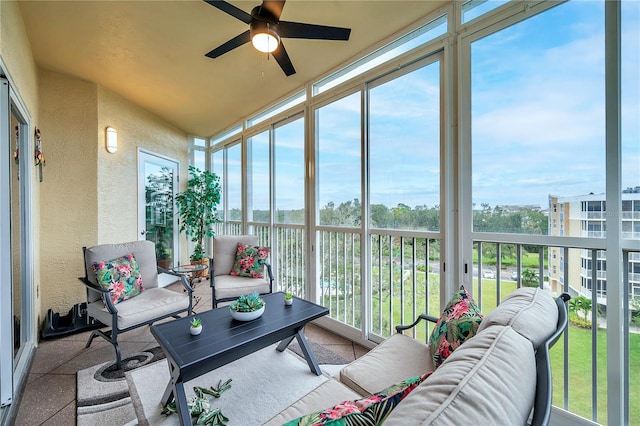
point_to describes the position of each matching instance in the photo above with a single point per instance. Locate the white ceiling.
(152, 52)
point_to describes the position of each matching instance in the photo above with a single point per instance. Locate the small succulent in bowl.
(249, 303)
(196, 322)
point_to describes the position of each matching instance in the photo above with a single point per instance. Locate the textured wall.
(15, 52)
(137, 128)
(69, 207)
(90, 196)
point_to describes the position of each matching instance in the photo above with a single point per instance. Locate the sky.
(537, 121)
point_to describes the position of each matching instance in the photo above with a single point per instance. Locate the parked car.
(514, 275)
(488, 273)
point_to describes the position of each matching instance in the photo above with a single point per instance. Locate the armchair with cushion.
(122, 289)
(229, 274)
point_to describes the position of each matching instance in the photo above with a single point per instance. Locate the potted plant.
(247, 308)
(288, 298)
(196, 326)
(197, 210)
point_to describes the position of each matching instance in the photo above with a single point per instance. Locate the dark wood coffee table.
(224, 340)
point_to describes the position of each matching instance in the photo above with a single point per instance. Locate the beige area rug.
(263, 384)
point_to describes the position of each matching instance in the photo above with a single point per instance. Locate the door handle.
(143, 232)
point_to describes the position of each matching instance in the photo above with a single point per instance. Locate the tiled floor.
(49, 397)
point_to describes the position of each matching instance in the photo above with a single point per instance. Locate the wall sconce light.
(112, 140)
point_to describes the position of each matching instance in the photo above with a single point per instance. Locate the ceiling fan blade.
(231, 10)
(274, 7)
(283, 60)
(237, 41)
(312, 31)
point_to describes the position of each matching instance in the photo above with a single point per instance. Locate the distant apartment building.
(585, 216)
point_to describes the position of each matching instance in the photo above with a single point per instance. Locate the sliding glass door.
(16, 264)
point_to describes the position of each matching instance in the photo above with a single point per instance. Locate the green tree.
(197, 207)
(530, 278)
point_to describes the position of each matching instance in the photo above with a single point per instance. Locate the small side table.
(189, 270)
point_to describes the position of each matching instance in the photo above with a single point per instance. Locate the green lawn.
(580, 374)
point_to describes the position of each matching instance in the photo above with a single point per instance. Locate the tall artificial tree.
(197, 208)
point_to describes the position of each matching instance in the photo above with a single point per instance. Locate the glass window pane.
(258, 177)
(404, 129)
(630, 108)
(234, 182)
(199, 159)
(276, 109)
(415, 38)
(338, 162)
(289, 172)
(537, 114)
(474, 8)
(226, 135)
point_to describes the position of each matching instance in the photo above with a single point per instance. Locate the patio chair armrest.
(93, 286)
(104, 293)
(270, 272)
(183, 278)
(401, 328)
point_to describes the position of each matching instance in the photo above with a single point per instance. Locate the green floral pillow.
(250, 261)
(372, 410)
(121, 276)
(459, 321)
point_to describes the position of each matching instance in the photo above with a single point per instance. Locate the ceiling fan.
(266, 29)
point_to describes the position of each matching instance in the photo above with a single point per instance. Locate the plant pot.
(288, 302)
(247, 316)
(201, 274)
(164, 263)
(195, 330)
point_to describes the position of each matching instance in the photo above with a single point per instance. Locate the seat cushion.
(329, 392)
(367, 411)
(395, 359)
(492, 376)
(230, 286)
(522, 308)
(152, 303)
(224, 251)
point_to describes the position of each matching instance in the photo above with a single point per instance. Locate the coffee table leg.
(308, 354)
(181, 404)
(284, 343)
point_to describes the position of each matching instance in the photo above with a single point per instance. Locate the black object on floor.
(75, 321)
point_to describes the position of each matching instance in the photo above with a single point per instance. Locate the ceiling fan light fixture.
(264, 37)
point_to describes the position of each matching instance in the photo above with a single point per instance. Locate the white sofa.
(494, 378)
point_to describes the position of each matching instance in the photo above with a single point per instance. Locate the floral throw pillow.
(369, 411)
(121, 276)
(459, 321)
(250, 261)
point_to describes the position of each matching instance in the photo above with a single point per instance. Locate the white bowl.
(247, 316)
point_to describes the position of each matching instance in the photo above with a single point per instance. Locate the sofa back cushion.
(491, 379)
(532, 312)
(144, 252)
(225, 248)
